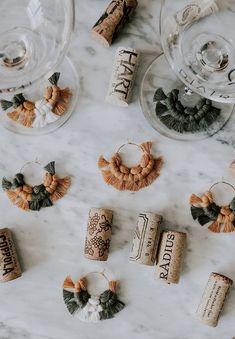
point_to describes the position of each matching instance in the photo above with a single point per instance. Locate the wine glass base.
(68, 78)
(160, 75)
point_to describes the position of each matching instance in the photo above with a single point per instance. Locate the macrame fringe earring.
(205, 210)
(133, 179)
(34, 198)
(91, 308)
(183, 119)
(42, 112)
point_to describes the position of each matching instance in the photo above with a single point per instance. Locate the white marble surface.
(51, 242)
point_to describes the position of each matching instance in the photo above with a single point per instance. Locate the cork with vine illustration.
(98, 236)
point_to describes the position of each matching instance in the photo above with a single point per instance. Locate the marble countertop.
(51, 241)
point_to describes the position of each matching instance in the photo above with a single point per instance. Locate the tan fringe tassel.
(228, 227)
(23, 117)
(113, 286)
(65, 94)
(134, 186)
(13, 115)
(102, 162)
(24, 113)
(52, 94)
(61, 189)
(47, 179)
(58, 98)
(146, 146)
(68, 283)
(59, 108)
(83, 283)
(13, 196)
(214, 227)
(26, 118)
(23, 204)
(204, 201)
(77, 286)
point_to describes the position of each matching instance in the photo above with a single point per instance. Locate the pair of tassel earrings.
(38, 114)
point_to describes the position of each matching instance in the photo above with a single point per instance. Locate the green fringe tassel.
(54, 78)
(110, 304)
(205, 215)
(5, 104)
(50, 168)
(6, 185)
(18, 99)
(71, 304)
(75, 301)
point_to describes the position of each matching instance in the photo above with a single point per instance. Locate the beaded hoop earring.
(36, 197)
(205, 210)
(131, 178)
(90, 308)
(42, 112)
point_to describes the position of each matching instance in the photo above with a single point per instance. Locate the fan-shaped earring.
(36, 197)
(42, 112)
(205, 210)
(90, 308)
(131, 178)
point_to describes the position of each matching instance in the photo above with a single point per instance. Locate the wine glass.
(196, 99)
(34, 39)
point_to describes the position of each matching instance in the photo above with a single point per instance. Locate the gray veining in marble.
(51, 242)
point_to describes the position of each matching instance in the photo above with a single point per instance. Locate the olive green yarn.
(54, 78)
(182, 119)
(110, 304)
(206, 214)
(50, 168)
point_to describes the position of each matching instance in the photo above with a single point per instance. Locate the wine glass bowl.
(34, 39)
(198, 42)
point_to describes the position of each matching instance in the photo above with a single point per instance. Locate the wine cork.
(9, 264)
(146, 239)
(170, 257)
(112, 20)
(213, 299)
(98, 234)
(195, 11)
(123, 76)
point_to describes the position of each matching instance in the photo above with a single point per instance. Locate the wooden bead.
(48, 93)
(27, 189)
(18, 189)
(29, 105)
(144, 161)
(124, 169)
(48, 189)
(47, 179)
(136, 170)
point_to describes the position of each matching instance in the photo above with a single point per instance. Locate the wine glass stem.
(188, 97)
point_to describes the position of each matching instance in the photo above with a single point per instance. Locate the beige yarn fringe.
(134, 186)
